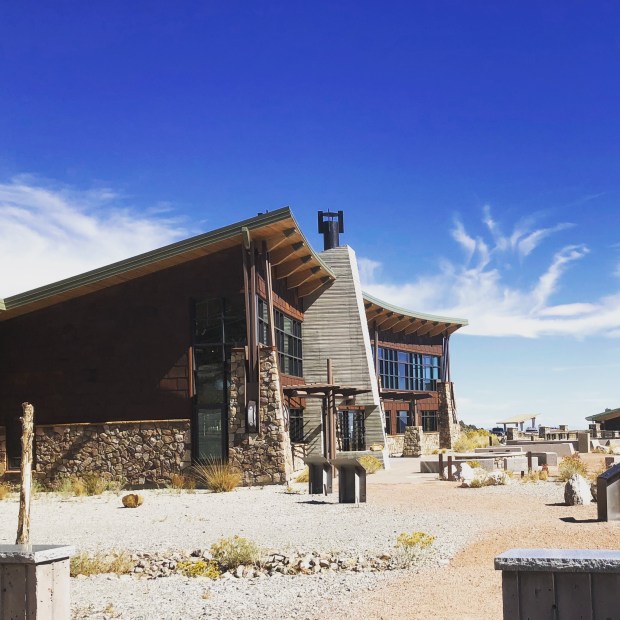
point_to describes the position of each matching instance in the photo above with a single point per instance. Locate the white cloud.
(478, 290)
(47, 233)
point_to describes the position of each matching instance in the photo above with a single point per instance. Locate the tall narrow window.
(219, 325)
(296, 423)
(429, 421)
(288, 344)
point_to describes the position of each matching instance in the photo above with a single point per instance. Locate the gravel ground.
(398, 501)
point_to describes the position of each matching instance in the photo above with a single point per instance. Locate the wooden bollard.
(529, 462)
(440, 464)
(450, 476)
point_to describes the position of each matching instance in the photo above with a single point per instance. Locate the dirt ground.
(469, 588)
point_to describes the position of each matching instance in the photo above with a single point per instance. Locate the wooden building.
(201, 349)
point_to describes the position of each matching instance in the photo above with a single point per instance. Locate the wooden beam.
(415, 325)
(282, 254)
(438, 330)
(427, 328)
(289, 267)
(391, 322)
(309, 287)
(383, 319)
(303, 276)
(402, 323)
(272, 244)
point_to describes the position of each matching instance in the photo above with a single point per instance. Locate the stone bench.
(35, 581)
(519, 463)
(569, 584)
(500, 449)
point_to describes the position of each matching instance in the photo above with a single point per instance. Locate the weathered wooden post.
(23, 523)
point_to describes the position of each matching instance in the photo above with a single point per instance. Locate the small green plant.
(304, 476)
(217, 475)
(370, 463)
(5, 489)
(473, 464)
(200, 568)
(85, 564)
(477, 483)
(291, 490)
(571, 465)
(411, 547)
(236, 551)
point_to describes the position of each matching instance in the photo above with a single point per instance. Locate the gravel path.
(277, 521)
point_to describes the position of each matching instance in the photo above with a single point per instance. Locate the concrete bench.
(546, 458)
(498, 449)
(519, 463)
(568, 584)
(35, 581)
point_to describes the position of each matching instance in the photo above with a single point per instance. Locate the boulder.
(444, 473)
(132, 500)
(577, 491)
(497, 477)
(467, 474)
(473, 477)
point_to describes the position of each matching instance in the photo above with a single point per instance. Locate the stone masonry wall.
(447, 422)
(142, 453)
(264, 457)
(416, 442)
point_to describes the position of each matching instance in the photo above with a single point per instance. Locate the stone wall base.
(141, 453)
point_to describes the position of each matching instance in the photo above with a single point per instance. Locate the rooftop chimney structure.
(331, 224)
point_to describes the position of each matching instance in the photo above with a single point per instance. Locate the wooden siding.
(335, 327)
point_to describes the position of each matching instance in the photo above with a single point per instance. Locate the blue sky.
(474, 147)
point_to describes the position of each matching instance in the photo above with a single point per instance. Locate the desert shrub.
(85, 564)
(218, 476)
(471, 439)
(531, 476)
(411, 547)
(473, 464)
(180, 482)
(235, 551)
(543, 475)
(571, 465)
(477, 483)
(370, 463)
(5, 489)
(304, 476)
(201, 568)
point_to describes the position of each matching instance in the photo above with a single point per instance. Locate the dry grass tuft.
(99, 563)
(5, 489)
(180, 482)
(304, 476)
(370, 463)
(234, 552)
(216, 475)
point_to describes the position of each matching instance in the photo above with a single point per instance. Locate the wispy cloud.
(478, 289)
(49, 233)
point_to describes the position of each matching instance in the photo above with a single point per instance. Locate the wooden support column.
(376, 345)
(269, 285)
(25, 494)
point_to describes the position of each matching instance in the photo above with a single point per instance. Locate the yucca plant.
(217, 475)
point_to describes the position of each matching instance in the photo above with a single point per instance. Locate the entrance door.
(211, 397)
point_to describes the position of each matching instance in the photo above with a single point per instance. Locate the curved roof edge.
(388, 317)
(279, 224)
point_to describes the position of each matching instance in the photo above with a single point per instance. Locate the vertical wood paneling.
(510, 592)
(605, 595)
(536, 596)
(573, 596)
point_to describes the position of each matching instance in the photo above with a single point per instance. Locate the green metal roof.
(410, 313)
(22, 300)
(605, 415)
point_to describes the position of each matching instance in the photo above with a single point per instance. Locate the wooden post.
(529, 462)
(450, 474)
(23, 524)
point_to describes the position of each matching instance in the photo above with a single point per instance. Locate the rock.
(132, 500)
(444, 473)
(466, 473)
(577, 491)
(497, 477)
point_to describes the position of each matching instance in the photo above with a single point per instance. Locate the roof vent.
(330, 226)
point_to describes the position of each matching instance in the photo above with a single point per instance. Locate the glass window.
(404, 370)
(402, 421)
(429, 421)
(296, 425)
(388, 422)
(288, 344)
